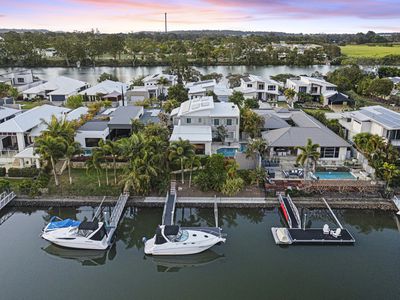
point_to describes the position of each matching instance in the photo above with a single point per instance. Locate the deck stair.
(396, 201)
(169, 206)
(6, 198)
(116, 216)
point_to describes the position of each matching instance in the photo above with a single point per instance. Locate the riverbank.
(200, 202)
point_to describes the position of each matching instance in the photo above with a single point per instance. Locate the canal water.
(126, 74)
(248, 266)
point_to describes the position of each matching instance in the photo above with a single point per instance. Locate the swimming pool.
(227, 152)
(334, 175)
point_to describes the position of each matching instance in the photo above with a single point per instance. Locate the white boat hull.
(196, 243)
(63, 237)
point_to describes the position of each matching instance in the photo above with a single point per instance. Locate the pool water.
(227, 152)
(334, 175)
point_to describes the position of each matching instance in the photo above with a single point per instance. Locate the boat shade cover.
(89, 225)
(63, 224)
(171, 229)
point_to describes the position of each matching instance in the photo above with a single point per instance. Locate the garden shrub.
(24, 172)
(2, 172)
(232, 186)
(4, 185)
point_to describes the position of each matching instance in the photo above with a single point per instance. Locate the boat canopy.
(63, 224)
(171, 229)
(89, 225)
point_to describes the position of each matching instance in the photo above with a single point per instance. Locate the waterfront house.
(315, 87)
(120, 124)
(152, 87)
(105, 90)
(372, 119)
(19, 133)
(57, 89)
(20, 79)
(90, 133)
(202, 119)
(253, 86)
(286, 129)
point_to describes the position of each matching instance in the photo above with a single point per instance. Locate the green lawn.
(84, 184)
(30, 104)
(370, 51)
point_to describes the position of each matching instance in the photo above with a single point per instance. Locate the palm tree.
(132, 146)
(51, 149)
(59, 128)
(94, 164)
(137, 125)
(139, 173)
(361, 141)
(390, 171)
(111, 148)
(193, 161)
(290, 94)
(222, 133)
(308, 153)
(163, 82)
(181, 151)
(258, 147)
(72, 149)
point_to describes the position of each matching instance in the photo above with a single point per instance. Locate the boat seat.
(325, 229)
(336, 233)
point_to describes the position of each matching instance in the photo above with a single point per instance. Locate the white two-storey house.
(253, 86)
(309, 85)
(200, 121)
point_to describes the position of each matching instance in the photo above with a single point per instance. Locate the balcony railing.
(8, 153)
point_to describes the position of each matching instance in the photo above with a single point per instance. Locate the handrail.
(289, 220)
(295, 210)
(98, 209)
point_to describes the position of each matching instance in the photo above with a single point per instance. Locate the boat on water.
(91, 235)
(175, 240)
(57, 223)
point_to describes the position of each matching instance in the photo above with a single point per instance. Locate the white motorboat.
(57, 223)
(88, 235)
(173, 240)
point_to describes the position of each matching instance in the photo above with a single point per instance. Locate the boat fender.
(144, 239)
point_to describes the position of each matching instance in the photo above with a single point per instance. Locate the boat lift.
(297, 235)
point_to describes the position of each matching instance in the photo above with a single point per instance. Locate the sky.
(294, 16)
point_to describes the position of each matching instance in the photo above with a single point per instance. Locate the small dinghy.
(87, 235)
(57, 223)
(174, 240)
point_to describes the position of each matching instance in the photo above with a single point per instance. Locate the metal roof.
(94, 125)
(381, 115)
(192, 133)
(124, 115)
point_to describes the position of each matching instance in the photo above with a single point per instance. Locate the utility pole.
(165, 21)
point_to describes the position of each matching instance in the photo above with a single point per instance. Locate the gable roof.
(58, 86)
(32, 118)
(6, 112)
(105, 87)
(124, 115)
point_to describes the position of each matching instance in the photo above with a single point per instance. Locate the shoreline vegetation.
(203, 48)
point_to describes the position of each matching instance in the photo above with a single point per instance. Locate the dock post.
(334, 216)
(215, 211)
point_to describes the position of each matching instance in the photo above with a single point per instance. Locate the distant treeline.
(28, 49)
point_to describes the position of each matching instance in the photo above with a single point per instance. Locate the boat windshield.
(182, 236)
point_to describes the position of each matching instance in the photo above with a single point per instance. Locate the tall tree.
(72, 149)
(257, 147)
(309, 153)
(94, 163)
(180, 151)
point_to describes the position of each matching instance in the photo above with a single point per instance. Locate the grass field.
(370, 51)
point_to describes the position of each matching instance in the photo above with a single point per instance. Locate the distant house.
(336, 98)
(374, 120)
(308, 85)
(286, 129)
(21, 80)
(106, 90)
(202, 88)
(256, 87)
(57, 89)
(396, 87)
(151, 88)
(198, 120)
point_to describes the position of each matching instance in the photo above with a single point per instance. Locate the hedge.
(24, 172)
(2, 172)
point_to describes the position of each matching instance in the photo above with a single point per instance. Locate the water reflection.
(176, 263)
(84, 257)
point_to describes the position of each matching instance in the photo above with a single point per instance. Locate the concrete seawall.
(354, 203)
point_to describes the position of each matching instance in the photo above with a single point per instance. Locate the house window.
(199, 120)
(260, 86)
(188, 120)
(330, 152)
(229, 122)
(314, 89)
(271, 88)
(249, 85)
(303, 89)
(331, 88)
(216, 122)
(91, 142)
(20, 80)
